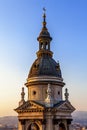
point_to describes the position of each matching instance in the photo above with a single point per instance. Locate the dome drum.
(44, 80)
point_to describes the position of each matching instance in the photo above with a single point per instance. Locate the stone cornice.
(53, 110)
(44, 80)
(32, 106)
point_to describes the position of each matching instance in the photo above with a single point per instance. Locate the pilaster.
(21, 125)
(68, 124)
(49, 123)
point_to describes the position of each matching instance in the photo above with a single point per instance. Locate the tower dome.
(45, 108)
(45, 65)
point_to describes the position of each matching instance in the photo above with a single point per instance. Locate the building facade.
(45, 108)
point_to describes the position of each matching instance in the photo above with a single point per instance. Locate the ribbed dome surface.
(45, 66)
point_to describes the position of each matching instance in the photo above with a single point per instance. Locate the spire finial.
(22, 94)
(22, 97)
(66, 94)
(44, 17)
(44, 9)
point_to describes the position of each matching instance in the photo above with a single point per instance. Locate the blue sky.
(20, 25)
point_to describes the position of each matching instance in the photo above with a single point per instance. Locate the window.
(34, 92)
(58, 92)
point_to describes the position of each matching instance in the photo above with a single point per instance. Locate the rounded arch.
(62, 126)
(33, 126)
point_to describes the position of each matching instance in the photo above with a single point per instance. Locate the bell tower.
(45, 108)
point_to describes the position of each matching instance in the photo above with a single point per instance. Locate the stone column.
(55, 124)
(48, 46)
(22, 125)
(68, 123)
(49, 124)
(19, 125)
(43, 124)
(39, 46)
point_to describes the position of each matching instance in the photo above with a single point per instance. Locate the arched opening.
(62, 126)
(41, 46)
(33, 126)
(46, 46)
